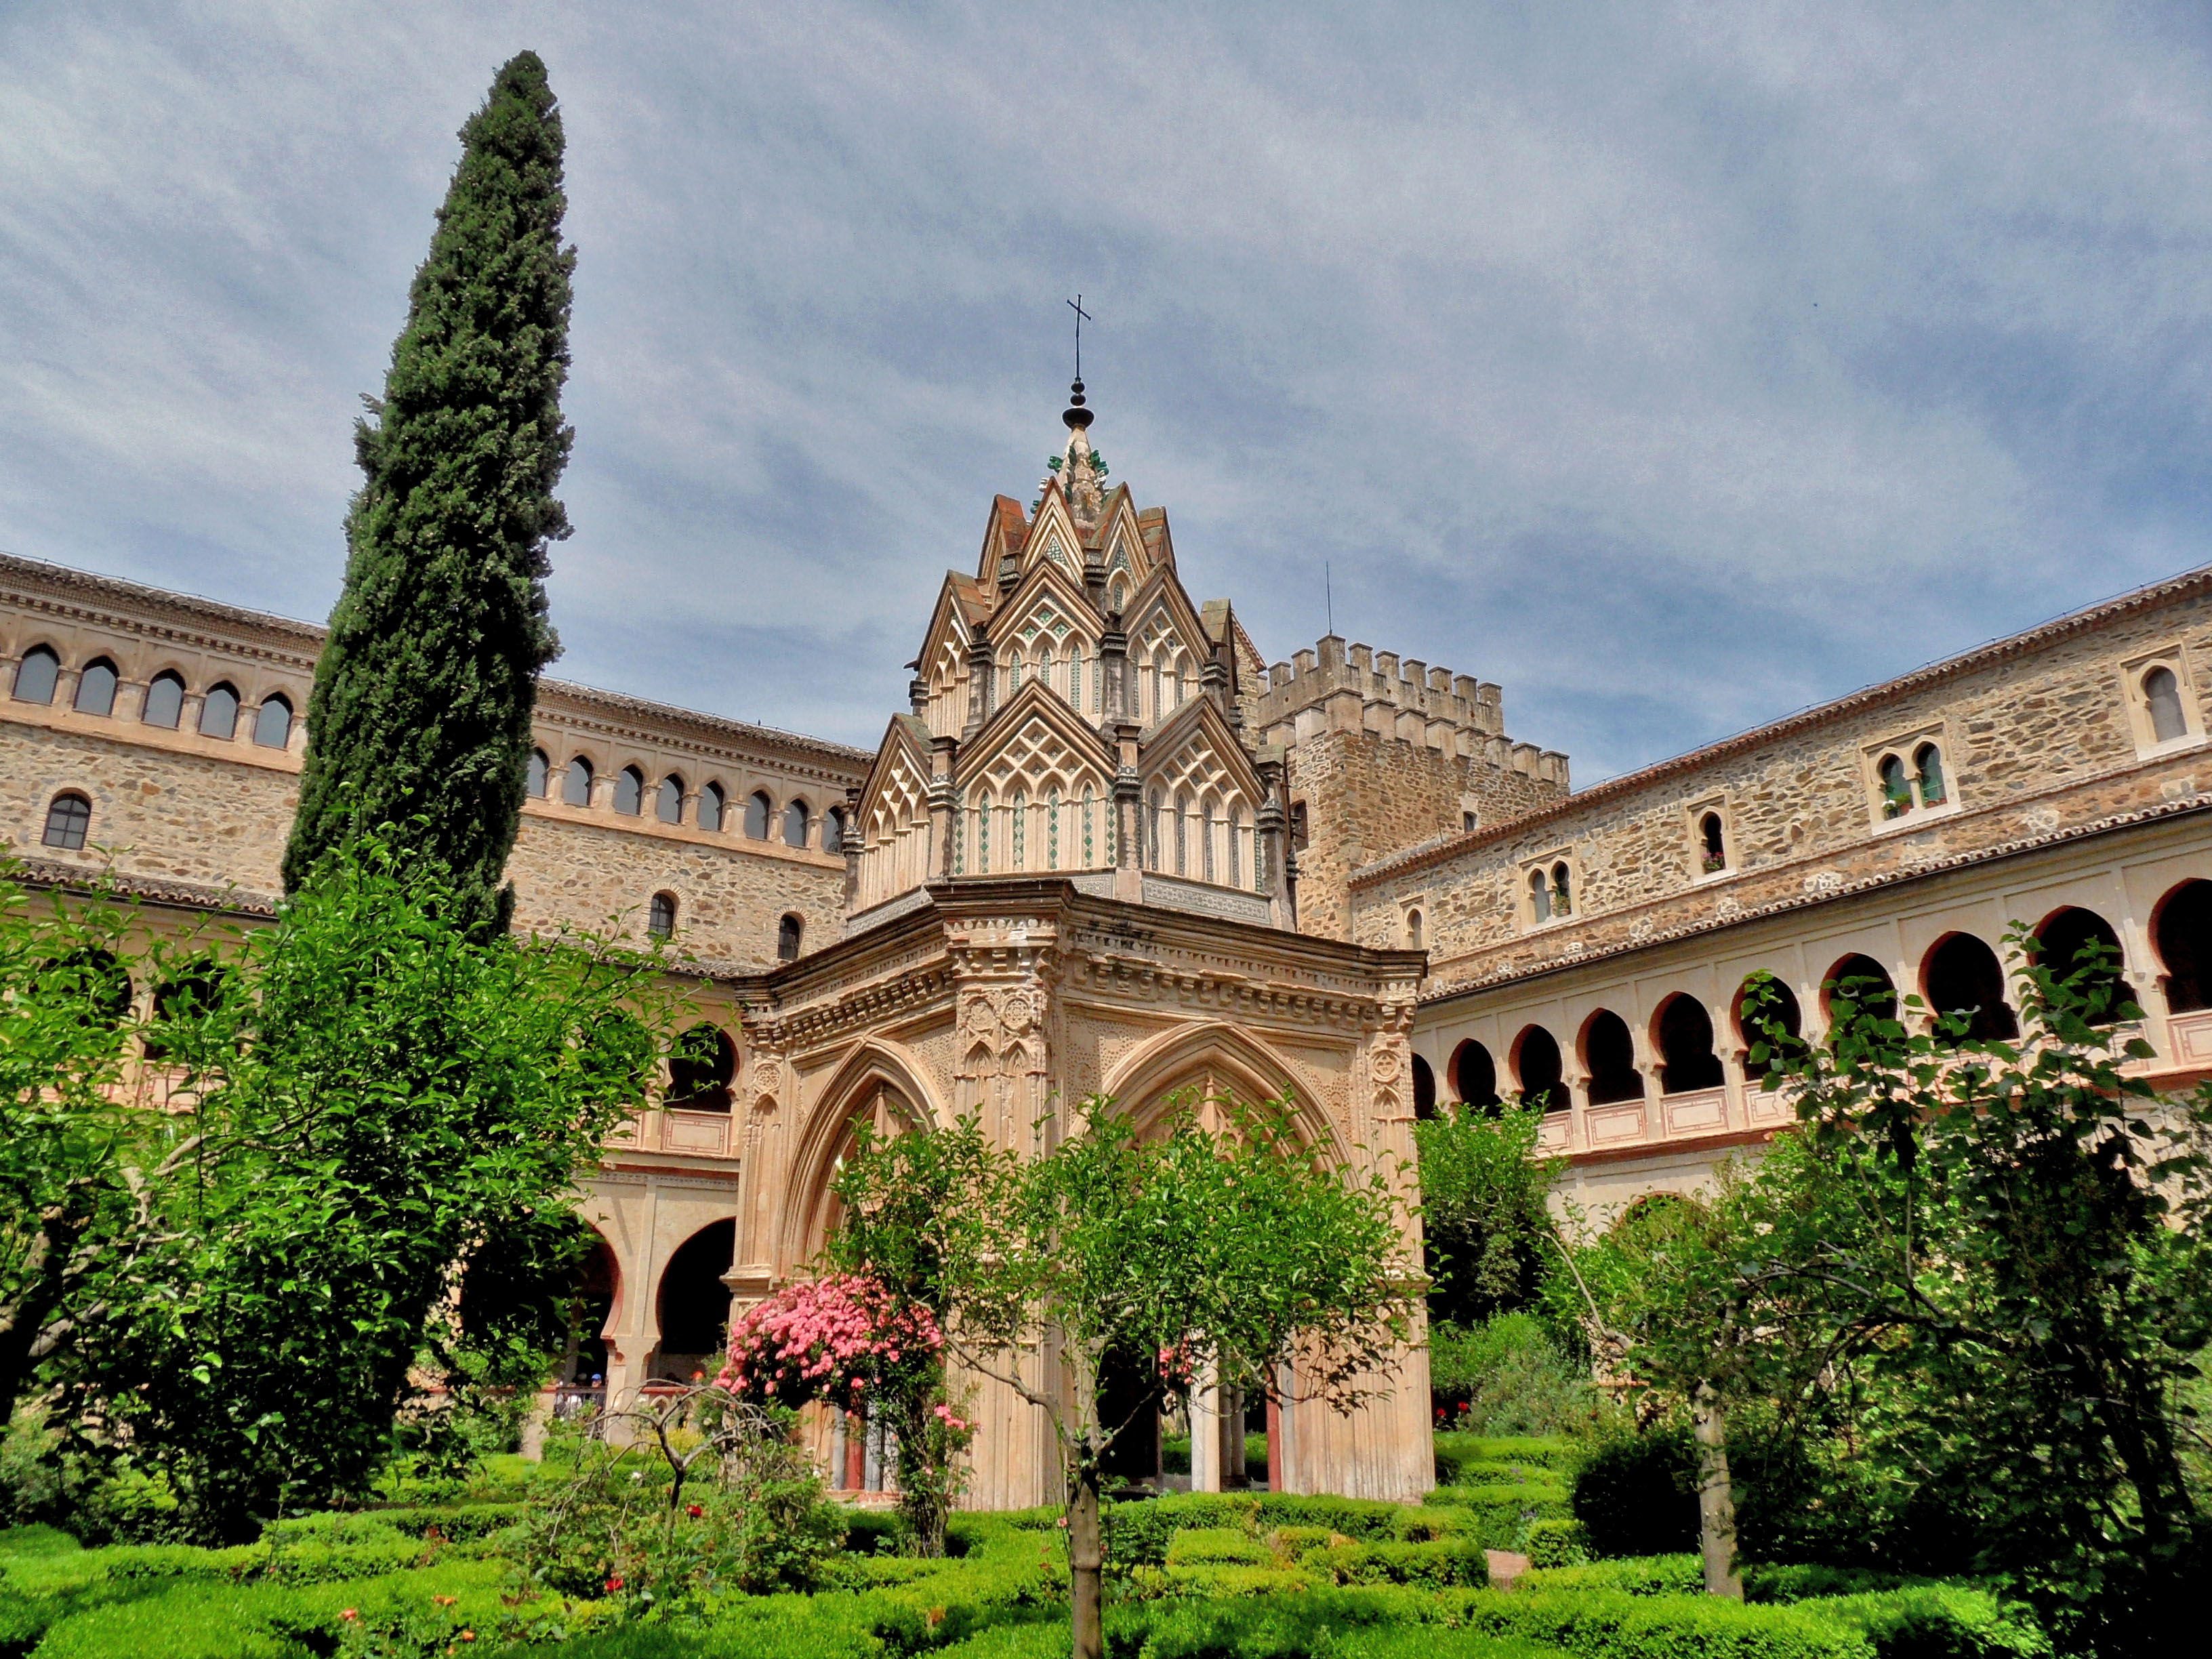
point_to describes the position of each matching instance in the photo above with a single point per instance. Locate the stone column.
(981, 672)
(1272, 839)
(1128, 818)
(1207, 1461)
(944, 806)
(1118, 690)
(852, 846)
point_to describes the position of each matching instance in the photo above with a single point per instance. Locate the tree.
(421, 712)
(1988, 1261)
(1200, 1254)
(377, 1098)
(77, 1164)
(1485, 1215)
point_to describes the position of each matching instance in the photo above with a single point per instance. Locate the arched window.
(1863, 981)
(1018, 828)
(789, 933)
(1424, 1090)
(576, 786)
(1713, 844)
(2081, 945)
(1962, 975)
(95, 687)
(1536, 1065)
(702, 1067)
(68, 817)
(759, 812)
(1685, 1034)
(629, 792)
(661, 916)
(1183, 834)
(164, 700)
(1896, 787)
(712, 801)
(1474, 1074)
(833, 830)
(2183, 932)
(539, 776)
(219, 713)
(794, 824)
(1539, 896)
(272, 725)
(1075, 678)
(1154, 811)
(1754, 1023)
(2162, 696)
(1236, 846)
(1609, 1056)
(668, 802)
(1927, 770)
(36, 674)
(1413, 931)
(1563, 903)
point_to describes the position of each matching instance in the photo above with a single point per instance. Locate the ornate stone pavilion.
(1068, 875)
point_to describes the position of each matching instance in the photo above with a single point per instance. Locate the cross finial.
(1081, 318)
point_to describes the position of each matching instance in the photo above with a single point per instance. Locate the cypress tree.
(420, 713)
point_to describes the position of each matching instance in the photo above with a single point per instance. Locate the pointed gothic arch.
(879, 1074)
(1215, 1059)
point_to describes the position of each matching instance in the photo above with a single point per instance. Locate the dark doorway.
(2184, 932)
(2081, 942)
(1129, 1393)
(1686, 1059)
(1474, 1074)
(1424, 1089)
(1964, 977)
(1610, 1054)
(1536, 1063)
(695, 1303)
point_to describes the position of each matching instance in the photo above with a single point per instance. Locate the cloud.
(1673, 367)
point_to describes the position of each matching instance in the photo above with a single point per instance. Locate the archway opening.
(1862, 982)
(695, 1303)
(1538, 1068)
(2080, 946)
(1474, 1074)
(2183, 932)
(1687, 1061)
(1962, 975)
(1775, 1021)
(1609, 1056)
(1424, 1089)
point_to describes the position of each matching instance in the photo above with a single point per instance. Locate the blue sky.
(1676, 367)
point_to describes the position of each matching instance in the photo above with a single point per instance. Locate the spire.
(1080, 473)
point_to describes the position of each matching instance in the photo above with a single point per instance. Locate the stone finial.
(1079, 472)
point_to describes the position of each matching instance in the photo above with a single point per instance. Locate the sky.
(1674, 367)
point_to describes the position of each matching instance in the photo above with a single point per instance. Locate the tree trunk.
(1086, 1561)
(1715, 1498)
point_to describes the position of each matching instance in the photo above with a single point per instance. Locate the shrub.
(36, 1541)
(1217, 1547)
(1638, 1575)
(1437, 1566)
(1601, 1624)
(1474, 1460)
(1555, 1544)
(1634, 1496)
(1507, 1376)
(1500, 1516)
(1937, 1621)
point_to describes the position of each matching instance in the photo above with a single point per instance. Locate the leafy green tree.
(1208, 1254)
(378, 1099)
(1485, 1217)
(1988, 1261)
(421, 713)
(77, 1162)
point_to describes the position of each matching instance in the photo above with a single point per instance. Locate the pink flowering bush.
(841, 1339)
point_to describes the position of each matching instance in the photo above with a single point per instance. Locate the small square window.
(1908, 778)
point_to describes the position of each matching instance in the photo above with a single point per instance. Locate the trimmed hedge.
(1439, 1565)
(1937, 1621)
(1501, 1515)
(1601, 1624)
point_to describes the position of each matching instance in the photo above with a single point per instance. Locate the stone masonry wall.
(1367, 794)
(170, 803)
(2040, 733)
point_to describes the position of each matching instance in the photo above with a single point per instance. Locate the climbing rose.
(831, 1339)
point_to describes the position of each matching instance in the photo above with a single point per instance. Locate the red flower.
(614, 1583)
(351, 1613)
(693, 1511)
